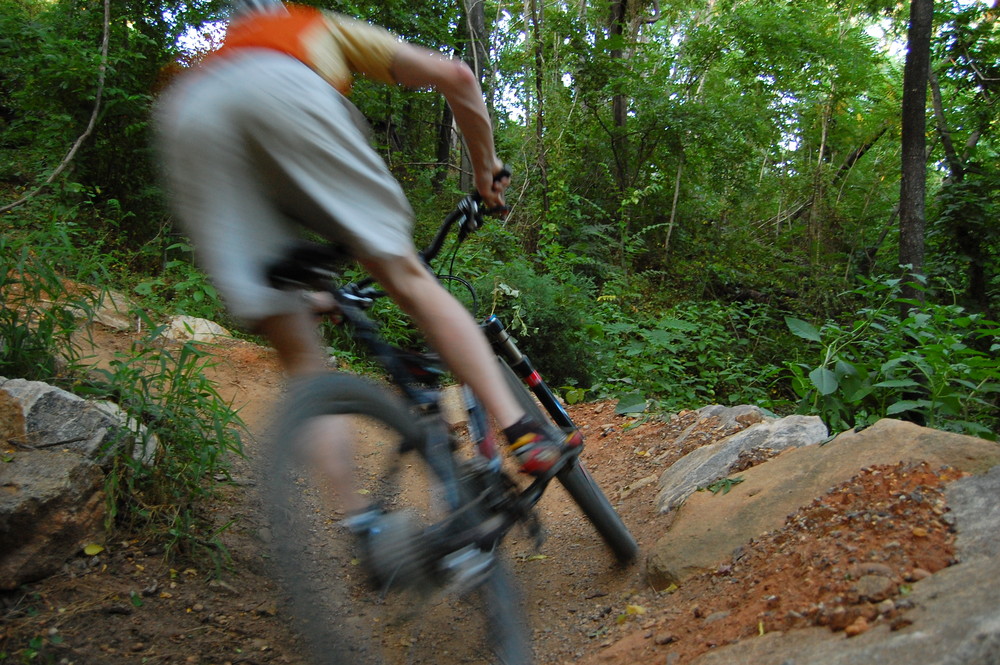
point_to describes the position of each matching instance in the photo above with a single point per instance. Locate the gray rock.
(193, 329)
(974, 504)
(51, 505)
(55, 418)
(106, 307)
(711, 462)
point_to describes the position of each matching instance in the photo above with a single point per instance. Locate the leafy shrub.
(166, 390)
(37, 315)
(694, 354)
(163, 389)
(935, 364)
(548, 318)
(182, 288)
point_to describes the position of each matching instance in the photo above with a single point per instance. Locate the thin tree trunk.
(536, 18)
(913, 182)
(673, 209)
(619, 104)
(444, 143)
(818, 193)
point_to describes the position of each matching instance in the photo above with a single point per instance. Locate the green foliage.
(181, 288)
(723, 485)
(162, 389)
(965, 239)
(936, 363)
(37, 315)
(166, 391)
(693, 354)
(48, 94)
(547, 316)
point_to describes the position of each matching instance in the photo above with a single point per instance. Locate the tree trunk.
(617, 28)
(673, 210)
(913, 182)
(535, 17)
(444, 144)
(475, 57)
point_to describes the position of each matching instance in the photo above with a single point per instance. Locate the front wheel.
(580, 485)
(345, 617)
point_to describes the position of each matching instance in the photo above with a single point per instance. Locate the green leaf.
(897, 383)
(803, 329)
(634, 402)
(722, 485)
(824, 380)
(661, 338)
(678, 324)
(907, 405)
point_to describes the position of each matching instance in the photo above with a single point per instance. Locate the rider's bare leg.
(450, 329)
(329, 440)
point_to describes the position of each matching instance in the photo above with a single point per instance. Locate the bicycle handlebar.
(469, 215)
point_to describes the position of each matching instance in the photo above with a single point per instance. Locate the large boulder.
(709, 463)
(51, 505)
(708, 527)
(193, 329)
(51, 478)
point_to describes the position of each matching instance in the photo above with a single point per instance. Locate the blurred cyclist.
(260, 141)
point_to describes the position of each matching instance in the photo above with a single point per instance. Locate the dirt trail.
(128, 605)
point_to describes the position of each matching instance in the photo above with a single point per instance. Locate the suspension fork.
(505, 347)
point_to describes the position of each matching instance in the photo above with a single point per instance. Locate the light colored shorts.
(257, 146)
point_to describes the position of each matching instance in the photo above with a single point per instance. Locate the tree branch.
(101, 74)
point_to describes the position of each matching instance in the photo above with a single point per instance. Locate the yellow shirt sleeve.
(366, 49)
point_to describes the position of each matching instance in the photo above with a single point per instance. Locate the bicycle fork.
(505, 347)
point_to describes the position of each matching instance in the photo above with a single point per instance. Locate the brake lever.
(474, 213)
(472, 217)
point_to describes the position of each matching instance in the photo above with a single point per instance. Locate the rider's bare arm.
(416, 67)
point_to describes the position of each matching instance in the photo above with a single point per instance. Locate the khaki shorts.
(257, 146)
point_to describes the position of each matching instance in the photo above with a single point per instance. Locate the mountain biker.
(260, 141)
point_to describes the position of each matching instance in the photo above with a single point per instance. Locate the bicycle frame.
(416, 375)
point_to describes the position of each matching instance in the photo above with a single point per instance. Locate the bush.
(935, 364)
(548, 318)
(696, 353)
(166, 390)
(37, 315)
(163, 389)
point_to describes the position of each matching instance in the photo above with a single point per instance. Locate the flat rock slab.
(711, 462)
(708, 527)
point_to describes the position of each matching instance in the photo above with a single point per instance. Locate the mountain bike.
(437, 551)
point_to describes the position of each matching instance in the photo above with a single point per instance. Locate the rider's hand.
(492, 183)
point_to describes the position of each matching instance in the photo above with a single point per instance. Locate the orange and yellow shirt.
(334, 46)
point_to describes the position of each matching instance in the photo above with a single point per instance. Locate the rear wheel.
(580, 485)
(344, 615)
